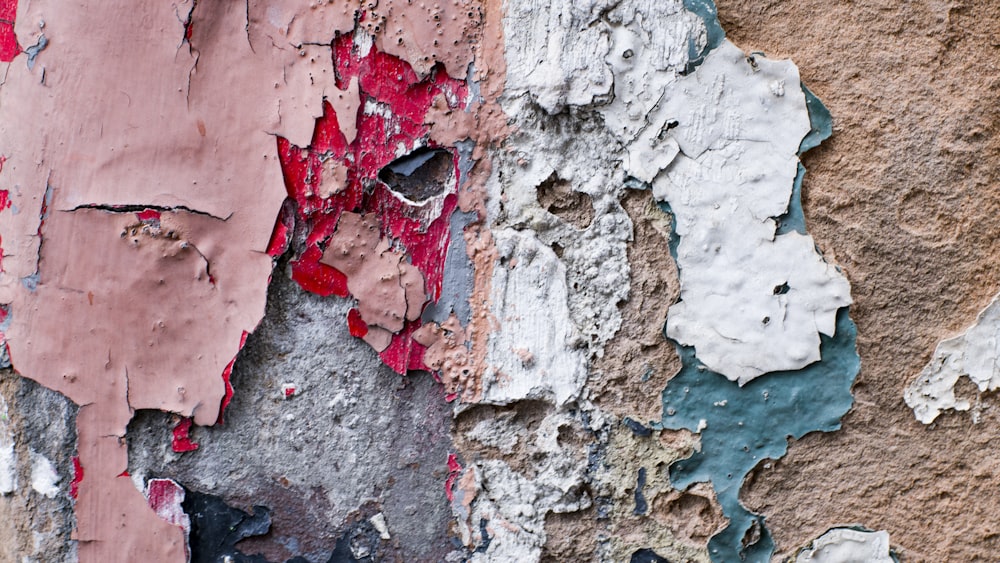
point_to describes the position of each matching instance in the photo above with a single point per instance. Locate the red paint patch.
(74, 486)
(165, 497)
(281, 235)
(226, 375)
(454, 469)
(394, 102)
(355, 324)
(149, 216)
(404, 353)
(181, 441)
(8, 40)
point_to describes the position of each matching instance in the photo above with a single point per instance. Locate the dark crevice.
(419, 175)
(136, 208)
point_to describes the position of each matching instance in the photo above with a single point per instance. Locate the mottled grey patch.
(355, 433)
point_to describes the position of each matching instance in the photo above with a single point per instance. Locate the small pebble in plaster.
(379, 522)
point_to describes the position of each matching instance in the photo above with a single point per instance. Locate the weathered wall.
(550, 282)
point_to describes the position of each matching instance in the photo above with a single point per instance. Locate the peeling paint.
(971, 355)
(723, 201)
(848, 545)
(437, 213)
(741, 427)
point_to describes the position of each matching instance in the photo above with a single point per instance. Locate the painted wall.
(477, 281)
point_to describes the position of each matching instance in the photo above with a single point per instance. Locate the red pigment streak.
(8, 40)
(402, 100)
(289, 392)
(280, 235)
(355, 324)
(165, 496)
(226, 375)
(404, 353)
(148, 216)
(124, 473)
(74, 486)
(181, 441)
(454, 468)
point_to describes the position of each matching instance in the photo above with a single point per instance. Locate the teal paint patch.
(820, 122)
(714, 34)
(741, 426)
(820, 129)
(745, 425)
(794, 219)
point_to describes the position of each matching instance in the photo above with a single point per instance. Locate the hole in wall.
(419, 175)
(558, 197)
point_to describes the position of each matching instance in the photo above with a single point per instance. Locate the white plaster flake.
(847, 545)
(44, 478)
(530, 304)
(8, 457)
(555, 52)
(752, 301)
(8, 469)
(579, 153)
(974, 354)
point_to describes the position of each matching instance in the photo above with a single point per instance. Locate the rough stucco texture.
(497, 281)
(904, 195)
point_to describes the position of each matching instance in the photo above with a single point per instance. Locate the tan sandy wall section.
(905, 195)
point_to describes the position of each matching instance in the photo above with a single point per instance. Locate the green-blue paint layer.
(744, 425)
(706, 10)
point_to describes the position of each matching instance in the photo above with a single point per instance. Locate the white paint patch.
(8, 469)
(752, 301)
(44, 478)
(846, 545)
(553, 51)
(650, 45)
(8, 458)
(529, 301)
(974, 354)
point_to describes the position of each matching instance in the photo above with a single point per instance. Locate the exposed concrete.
(355, 432)
(36, 515)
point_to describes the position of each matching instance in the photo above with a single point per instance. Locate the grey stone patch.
(355, 433)
(42, 422)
